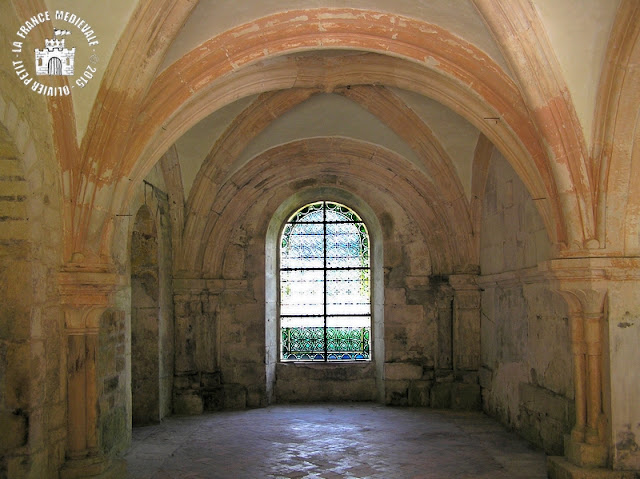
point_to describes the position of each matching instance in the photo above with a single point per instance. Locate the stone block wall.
(220, 347)
(15, 327)
(526, 374)
(622, 333)
(32, 380)
(113, 387)
(309, 382)
(423, 348)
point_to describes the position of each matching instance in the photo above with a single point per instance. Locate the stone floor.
(332, 441)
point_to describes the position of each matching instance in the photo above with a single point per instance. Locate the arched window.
(325, 285)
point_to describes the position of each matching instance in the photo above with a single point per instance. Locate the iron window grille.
(325, 287)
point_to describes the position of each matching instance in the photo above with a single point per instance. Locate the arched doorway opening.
(55, 66)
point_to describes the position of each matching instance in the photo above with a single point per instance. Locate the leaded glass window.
(325, 287)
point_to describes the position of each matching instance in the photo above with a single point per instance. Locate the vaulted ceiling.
(219, 83)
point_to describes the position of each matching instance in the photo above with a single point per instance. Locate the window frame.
(290, 222)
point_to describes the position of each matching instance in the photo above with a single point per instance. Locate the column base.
(560, 468)
(98, 467)
(585, 455)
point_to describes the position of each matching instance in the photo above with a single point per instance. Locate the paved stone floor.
(332, 441)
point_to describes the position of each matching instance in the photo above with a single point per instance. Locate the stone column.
(586, 446)
(593, 339)
(604, 305)
(579, 350)
(585, 289)
(86, 292)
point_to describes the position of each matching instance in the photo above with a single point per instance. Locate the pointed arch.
(521, 36)
(350, 160)
(220, 164)
(617, 136)
(459, 75)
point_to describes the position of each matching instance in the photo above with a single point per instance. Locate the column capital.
(84, 284)
(592, 269)
(464, 282)
(582, 282)
(86, 291)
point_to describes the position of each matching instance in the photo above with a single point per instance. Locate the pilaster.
(86, 293)
(466, 322)
(593, 288)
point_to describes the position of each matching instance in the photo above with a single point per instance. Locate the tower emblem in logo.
(55, 59)
(54, 66)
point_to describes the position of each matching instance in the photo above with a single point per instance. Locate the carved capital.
(464, 282)
(582, 282)
(86, 291)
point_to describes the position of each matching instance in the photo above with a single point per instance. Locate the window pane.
(348, 321)
(303, 344)
(301, 292)
(348, 343)
(302, 322)
(348, 292)
(325, 298)
(303, 246)
(344, 246)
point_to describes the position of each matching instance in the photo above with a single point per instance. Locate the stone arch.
(481, 159)
(310, 159)
(632, 212)
(151, 340)
(515, 137)
(274, 229)
(183, 104)
(617, 136)
(518, 30)
(221, 163)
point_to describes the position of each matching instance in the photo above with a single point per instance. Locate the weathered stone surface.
(184, 403)
(466, 397)
(526, 347)
(235, 396)
(14, 426)
(443, 201)
(441, 395)
(419, 393)
(397, 393)
(561, 468)
(325, 382)
(400, 371)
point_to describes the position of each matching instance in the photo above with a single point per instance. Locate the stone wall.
(114, 361)
(526, 372)
(15, 327)
(145, 320)
(220, 347)
(32, 357)
(112, 387)
(418, 362)
(223, 335)
(309, 382)
(31, 340)
(622, 336)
